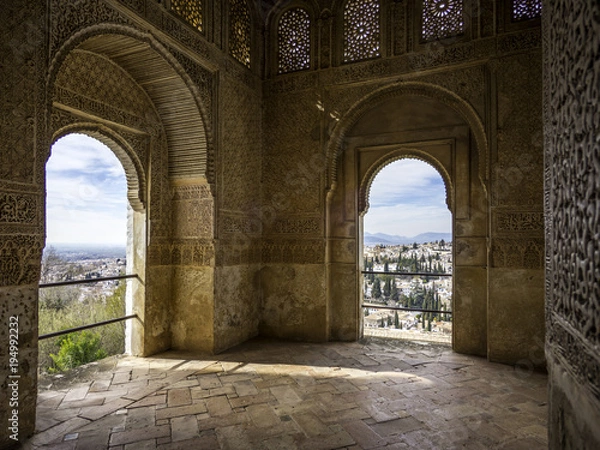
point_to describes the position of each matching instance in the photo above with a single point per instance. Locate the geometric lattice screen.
(190, 11)
(362, 30)
(526, 9)
(293, 39)
(239, 31)
(442, 19)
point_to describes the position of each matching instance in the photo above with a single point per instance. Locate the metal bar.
(371, 272)
(85, 327)
(91, 280)
(398, 308)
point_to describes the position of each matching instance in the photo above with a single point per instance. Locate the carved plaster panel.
(20, 257)
(192, 212)
(19, 208)
(518, 253)
(572, 164)
(298, 251)
(518, 221)
(241, 150)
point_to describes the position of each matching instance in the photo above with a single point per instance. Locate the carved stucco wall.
(572, 196)
(517, 330)
(22, 142)
(496, 73)
(246, 244)
(294, 173)
(237, 291)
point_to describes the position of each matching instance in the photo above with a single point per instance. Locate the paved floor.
(279, 395)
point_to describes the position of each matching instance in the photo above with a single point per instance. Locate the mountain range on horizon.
(371, 239)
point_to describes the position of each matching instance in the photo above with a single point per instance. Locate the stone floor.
(279, 395)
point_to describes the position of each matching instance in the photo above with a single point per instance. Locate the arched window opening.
(190, 11)
(407, 255)
(442, 19)
(293, 41)
(526, 9)
(239, 31)
(87, 217)
(362, 30)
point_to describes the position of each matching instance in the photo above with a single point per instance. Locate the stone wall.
(571, 93)
(22, 148)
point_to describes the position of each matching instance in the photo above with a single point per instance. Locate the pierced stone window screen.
(526, 9)
(239, 31)
(293, 41)
(190, 11)
(362, 30)
(442, 19)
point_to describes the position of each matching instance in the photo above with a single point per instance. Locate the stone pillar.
(572, 201)
(23, 148)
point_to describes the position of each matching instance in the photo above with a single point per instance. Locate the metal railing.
(86, 327)
(401, 274)
(87, 280)
(92, 325)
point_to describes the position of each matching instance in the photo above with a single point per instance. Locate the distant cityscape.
(430, 290)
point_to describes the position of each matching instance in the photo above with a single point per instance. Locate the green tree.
(394, 291)
(396, 320)
(376, 289)
(387, 287)
(77, 349)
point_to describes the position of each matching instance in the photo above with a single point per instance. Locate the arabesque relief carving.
(20, 257)
(18, 208)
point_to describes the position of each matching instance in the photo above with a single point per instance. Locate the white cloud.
(86, 190)
(407, 198)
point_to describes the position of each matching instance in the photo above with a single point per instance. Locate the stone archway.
(432, 124)
(123, 86)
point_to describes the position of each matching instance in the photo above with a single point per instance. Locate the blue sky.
(408, 197)
(86, 193)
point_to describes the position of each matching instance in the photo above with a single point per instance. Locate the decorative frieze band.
(519, 221)
(518, 253)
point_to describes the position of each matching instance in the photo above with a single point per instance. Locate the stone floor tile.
(364, 435)
(58, 431)
(168, 413)
(397, 426)
(150, 400)
(245, 388)
(178, 397)
(218, 406)
(184, 428)
(96, 412)
(285, 394)
(140, 418)
(240, 402)
(77, 393)
(148, 444)
(332, 441)
(122, 377)
(311, 425)
(262, 415)
(139, 434)
(281, 395)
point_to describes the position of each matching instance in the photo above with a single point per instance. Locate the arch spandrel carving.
(342, 129)
(397, 155)
(170, 88)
